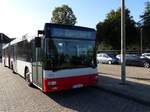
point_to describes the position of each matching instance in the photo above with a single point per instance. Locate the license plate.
(77, 86)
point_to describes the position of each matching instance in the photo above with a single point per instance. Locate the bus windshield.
(71, 53)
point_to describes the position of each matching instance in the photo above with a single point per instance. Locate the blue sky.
(19, 17)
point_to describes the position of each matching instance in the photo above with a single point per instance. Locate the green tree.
(146, 26)
(63, 15)
(109, 31)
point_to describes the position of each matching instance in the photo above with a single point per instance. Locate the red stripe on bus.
(69, 82)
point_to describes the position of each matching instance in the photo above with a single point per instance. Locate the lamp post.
(123, 43)
(141, 40)
(1, 36)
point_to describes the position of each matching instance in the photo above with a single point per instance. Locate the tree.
(146, 26)
(109, 31)
(146, 15)
(63, 15)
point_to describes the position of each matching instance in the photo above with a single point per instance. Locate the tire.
(146, 64)
(13, 70)
(4, 64)
(27, 77)
(109, 62)
(97, 62)
(11, 66)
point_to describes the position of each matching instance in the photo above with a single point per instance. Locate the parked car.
(136, 60)
(146, 55)
(128, 56)
(106, 58)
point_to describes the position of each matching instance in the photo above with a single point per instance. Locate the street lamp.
(141, 26)
(141, 39)
(123, 43)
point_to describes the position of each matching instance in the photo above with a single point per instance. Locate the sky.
(19, 17)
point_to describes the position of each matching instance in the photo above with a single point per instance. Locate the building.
(3, 40)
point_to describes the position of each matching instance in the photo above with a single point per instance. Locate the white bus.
(63, 57)
(6, 55)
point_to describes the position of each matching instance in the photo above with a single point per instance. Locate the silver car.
(146, 55)
(106, 58)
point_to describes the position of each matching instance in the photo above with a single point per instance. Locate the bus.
(61, 57)
(6, 55)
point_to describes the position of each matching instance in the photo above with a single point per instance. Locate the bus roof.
(5, 46)
(47, 31)
(25, 37)
(68, 31)
(50, 25)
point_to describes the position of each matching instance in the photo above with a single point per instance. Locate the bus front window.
(69, 53)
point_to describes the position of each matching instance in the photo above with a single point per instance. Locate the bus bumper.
(58, 84)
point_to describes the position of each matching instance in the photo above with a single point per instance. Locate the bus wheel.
(12, 66)
(4, 64)
(27, 77)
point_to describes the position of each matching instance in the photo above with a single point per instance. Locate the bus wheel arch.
(27, 76)
(11, 65)
(4, 63)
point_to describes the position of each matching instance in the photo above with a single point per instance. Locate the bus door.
(37, 67)
(14, 66)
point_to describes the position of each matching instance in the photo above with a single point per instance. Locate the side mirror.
(37, 42)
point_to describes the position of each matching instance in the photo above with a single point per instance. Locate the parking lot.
(140, 73)
(16, 96)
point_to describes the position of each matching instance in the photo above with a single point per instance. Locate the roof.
(68, 32)
(27, 37)
(49, 25)
(4, 38)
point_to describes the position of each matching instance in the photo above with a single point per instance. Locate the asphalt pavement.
(135, 89)
(16, 96)
(137, 85)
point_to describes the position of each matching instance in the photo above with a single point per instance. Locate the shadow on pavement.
(99, 99)
(138, 78)
(136, 90)
(82, 100)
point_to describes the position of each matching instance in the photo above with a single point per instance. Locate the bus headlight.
(96, 77)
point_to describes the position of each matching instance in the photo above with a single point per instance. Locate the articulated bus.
(61, 57)
(6, 55)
